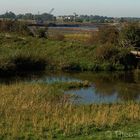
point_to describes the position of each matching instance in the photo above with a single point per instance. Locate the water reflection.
(110, 87)
(89, 96)
(106, 87)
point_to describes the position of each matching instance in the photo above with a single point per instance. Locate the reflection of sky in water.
(88, 95)
(55, 79)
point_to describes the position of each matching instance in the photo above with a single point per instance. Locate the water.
(109, 87)
(105, 87)
(72, 30)
(89, 96)
(80, 28)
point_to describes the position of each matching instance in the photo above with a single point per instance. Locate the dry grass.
(83, 37)
(28, 110)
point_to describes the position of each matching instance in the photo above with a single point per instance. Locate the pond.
(111, 87)
(106, 87)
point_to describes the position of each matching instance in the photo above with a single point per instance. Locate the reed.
(34, 111)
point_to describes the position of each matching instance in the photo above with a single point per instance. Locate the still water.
(106, 87)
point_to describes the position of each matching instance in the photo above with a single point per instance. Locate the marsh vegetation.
(41, 110)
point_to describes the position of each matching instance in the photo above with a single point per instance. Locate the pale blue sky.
(96, 7)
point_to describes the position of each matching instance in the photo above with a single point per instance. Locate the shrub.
(130, 35)
(127, 59)
(105, 52)
(28, 60)
(108, 34)
(111, 57)
(14, 26)
(107, 66)
(42, 33)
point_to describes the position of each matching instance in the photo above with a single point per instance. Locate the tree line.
(28, 16)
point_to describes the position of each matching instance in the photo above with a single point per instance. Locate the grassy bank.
(40, 111)
(33, 54)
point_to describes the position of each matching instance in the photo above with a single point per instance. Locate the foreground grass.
(40, 111)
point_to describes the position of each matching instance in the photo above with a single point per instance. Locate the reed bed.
(40, 111)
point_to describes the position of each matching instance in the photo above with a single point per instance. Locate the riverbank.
(36, 54)
(34, 111)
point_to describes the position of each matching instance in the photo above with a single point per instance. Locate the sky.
(113, 8)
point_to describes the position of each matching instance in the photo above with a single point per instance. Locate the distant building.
(68, 18)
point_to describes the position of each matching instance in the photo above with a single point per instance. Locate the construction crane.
(51, 11)
(40, 21)
(75, 16)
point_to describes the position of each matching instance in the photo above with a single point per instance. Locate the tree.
(9, 15)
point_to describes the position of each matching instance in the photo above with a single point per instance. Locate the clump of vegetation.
(73, 85)
(15, 57)
(42, 33)
(105, 34)
(24, 62)
(11, 26)
(105, 52)
(113, 57)
(130, 35)
(108, 34)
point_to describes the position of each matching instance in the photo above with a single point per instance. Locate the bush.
(111, 57)
(108, 34)
(127, 59)
(130, 35)
(42, 33)
(29, 63)
(14, 26)
(107, 66)
(105, 52)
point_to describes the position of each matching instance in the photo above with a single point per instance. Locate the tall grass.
(32, 111)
